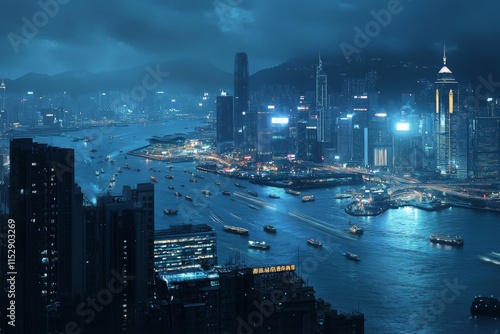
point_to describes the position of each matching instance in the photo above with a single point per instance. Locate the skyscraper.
(3, 112)
(241, 97)
(450, 126)
(321, 102)
(43, 202)
(224, 122)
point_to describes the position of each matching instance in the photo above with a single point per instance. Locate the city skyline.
(271, 33)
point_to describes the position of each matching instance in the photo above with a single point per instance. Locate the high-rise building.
(3, 111)
(321, 101)
(123, 240)
(451, 126)
(45, 205)
(264, 134)
(485, 147)
(224, 135)
(241, 97)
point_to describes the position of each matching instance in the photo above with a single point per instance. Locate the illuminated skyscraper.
(321, 101)
(224, 136)
(241, 97)
(3, 112)
(450, 126)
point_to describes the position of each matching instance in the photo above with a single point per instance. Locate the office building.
(485, 148)
(183, 248)
(224, 130)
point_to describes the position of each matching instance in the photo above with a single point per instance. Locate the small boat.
(119, 170)
(225, 192)
(168, 176)
(273, 196)
(170, 212)
(112, 179)
(102, 171)
(446, 239)
(199, 176)
(239, 185)
(314, 242)
(93, 150)
(96, 173)
(178, 194)
(127, 166)
(206, 192)
(235, 230)
(309, 198)
(270, 229)
(258, 244)
(137, 169)
(356, 230)
(153, 178)
(188, 198)
(292, 192)
(352, 256)
(217, 183)
(342, 196)
(253, 193)
(193, 180)
(170, 187)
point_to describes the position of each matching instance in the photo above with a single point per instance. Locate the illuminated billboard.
(279, 120)
(402, 126)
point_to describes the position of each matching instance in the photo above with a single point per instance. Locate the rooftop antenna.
(444, 53)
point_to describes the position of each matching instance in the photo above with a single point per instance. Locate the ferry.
(206, 192)
(352, 256)
(188, 198)
(153, 178)
(342, 196)
(225, 192)
(235, 230)
(273, 196)
(485, 307)
(258, 244)
(270, 229)
(309, 198)
(314, 242)
(170, 212)
(292, 192)
(96, 173)
(446, 239)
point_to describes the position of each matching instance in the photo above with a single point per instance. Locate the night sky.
(107, 35)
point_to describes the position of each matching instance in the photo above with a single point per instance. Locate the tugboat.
(170, 212)
(352, 256)
(446, 239)
(235, 230)
(270, 229)
(314, 242)
(258, 244)
(485, 307)
(354, 229)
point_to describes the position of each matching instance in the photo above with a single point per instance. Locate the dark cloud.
(105, 35)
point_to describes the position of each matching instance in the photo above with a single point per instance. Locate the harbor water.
(402, 284)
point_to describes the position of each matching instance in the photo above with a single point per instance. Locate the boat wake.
(493, 258)
(321, 225)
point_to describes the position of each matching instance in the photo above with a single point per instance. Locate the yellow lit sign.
(273, 269)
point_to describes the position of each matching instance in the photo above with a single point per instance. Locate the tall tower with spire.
(450, 125)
